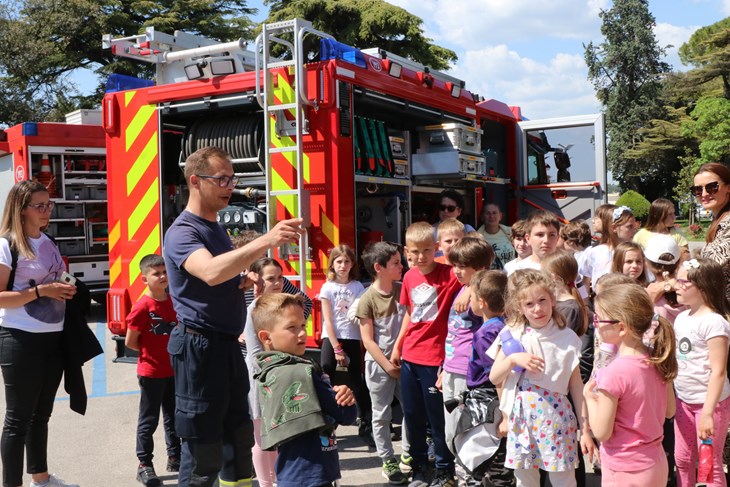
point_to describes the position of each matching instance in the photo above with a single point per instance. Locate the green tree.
(44, 41)
(708, 50)
(367, 23)
(626, 72)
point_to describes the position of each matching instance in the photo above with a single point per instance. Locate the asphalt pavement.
(98, 449)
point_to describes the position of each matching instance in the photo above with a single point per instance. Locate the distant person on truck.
(498, 235)
(148, 330)
(451, 204)
(204, 273)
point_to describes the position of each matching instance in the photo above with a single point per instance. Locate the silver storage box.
(450, 136)
(447, 163)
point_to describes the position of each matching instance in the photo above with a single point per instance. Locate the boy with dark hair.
(299, 408)
(522, 248)
(542, 235)
(148, 330)
(428, 292)
(488, 290)
(381, 316)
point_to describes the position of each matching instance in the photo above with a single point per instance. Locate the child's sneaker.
(405, 461)
(392, 472)
(146, 474)
(443, 478)
(173, 464)
(422, 476)
(53, 481)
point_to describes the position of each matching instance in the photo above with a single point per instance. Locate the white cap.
(660, 244)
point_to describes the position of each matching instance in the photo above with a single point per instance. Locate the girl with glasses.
(31, 323)
(629, 401)
(703, 390)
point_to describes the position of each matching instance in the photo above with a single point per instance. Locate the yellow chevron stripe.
(142, 163)
(329, 229)
(150, 246)
(134, 128)
(143, 209)
(288, 201)
(285, 93)
(114, 234)
(128, 95)
(115, 270)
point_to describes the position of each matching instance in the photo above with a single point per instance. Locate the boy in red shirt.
(148, 330)
(428, 292)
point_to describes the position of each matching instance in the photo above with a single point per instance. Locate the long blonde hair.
(12, 224)
(519, 283)
(631, 305)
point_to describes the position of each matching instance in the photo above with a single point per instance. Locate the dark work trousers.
(211, 407)
(156, 394)
(32, 365)
(355, 376)
(423, 404)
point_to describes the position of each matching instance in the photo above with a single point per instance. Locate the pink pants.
(654, 476)
(686, 442)
(263, 461)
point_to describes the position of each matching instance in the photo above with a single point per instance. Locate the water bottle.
(344, 367)
(510, 345)
(705, 471)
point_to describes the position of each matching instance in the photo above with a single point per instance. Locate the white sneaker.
(53, 481)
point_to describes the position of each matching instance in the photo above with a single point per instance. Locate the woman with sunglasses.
(450, 206)
(31, 322)
(712, 189)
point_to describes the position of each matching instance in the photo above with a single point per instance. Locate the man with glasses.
(204, 274)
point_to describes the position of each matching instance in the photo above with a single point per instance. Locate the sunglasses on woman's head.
(710, 188)
(448, 208)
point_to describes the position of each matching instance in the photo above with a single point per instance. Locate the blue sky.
(530, 53)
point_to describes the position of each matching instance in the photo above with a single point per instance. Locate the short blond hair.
(450, 225)
(419, 233)
(269, 308)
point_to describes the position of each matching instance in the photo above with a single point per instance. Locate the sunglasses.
(448, 208)
(710, 188)
(43, 207)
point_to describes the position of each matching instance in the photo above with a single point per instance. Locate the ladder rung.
(281, 106)
(284, 192)
(278, 150)
(280, 64)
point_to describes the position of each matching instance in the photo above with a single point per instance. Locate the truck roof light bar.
(412, 65)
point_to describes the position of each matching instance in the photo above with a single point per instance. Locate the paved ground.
(97, 450)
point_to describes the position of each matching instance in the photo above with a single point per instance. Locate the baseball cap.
(660, 244)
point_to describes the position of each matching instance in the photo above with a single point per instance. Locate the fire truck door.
(563, 166)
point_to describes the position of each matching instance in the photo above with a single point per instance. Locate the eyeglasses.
(683, 282)
(710, 188)
(448, 208)
(43, 207)
(597, 322)
(222, 181)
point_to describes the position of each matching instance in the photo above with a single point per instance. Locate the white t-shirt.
(42, 315)
(596, 261)
(693, 356)
(341, 297)
(526, 263)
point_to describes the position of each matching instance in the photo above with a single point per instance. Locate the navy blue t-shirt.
(217, 308)
(311, 459)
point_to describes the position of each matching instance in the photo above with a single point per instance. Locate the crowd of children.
(508, 376)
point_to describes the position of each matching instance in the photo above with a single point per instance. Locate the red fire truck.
(357, 142)
(70, 160)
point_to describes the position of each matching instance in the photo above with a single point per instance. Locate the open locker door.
(563, 167)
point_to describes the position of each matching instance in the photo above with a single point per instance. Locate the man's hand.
(286, 231)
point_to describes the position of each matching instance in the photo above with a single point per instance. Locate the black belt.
(207, 333)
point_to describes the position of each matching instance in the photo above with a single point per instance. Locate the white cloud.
(674, 35)
(726, 7)
(543, 90)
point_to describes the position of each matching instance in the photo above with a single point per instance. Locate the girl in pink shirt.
(629, 399)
